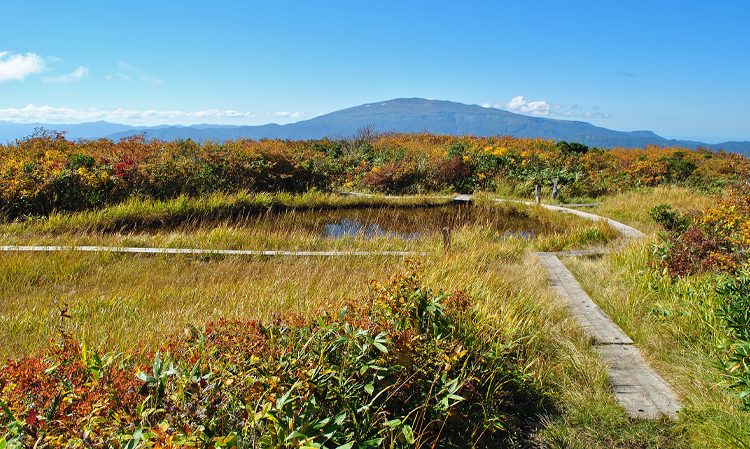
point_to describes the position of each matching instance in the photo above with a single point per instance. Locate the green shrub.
(736, 317)
(401, 367)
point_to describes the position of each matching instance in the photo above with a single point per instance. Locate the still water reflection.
(355, 228)
(416, 223)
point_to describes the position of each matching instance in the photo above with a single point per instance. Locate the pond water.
(354, 228)
(410, 223)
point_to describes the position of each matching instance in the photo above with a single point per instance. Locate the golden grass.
(118, 301)
(632, 207)
(148, 214)
(673, 322)
(121, 299)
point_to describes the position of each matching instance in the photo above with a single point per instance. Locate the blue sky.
(681, 69)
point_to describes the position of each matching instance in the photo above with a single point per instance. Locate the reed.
(674, 324)
(631, 207)
(118, 302)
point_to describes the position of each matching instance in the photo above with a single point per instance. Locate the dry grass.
(632, 207)
(119, 300)
(673, 322)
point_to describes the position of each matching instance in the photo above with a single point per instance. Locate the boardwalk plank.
(636, 386)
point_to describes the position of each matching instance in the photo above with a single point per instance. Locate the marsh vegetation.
(447, 348)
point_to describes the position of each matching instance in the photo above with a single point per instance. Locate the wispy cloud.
(78, 74)
(297, 114)
(127, 72)
(587, 115)
(16, 67)
(541, 108)
(50, 114)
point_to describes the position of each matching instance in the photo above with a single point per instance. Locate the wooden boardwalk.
(637, 387)
(226, 252)
(625, 230)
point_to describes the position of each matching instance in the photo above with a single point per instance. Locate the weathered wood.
(580, 205)
(626, 230)
(364, 195)
(227, 252)
(537, 194)
(446, 238)
(636, 386)
(590, 317)
(640, 390)
(555, 190)
(463, 199)
(579, 252)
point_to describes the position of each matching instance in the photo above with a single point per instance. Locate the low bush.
(45, 172)
(717, 241)
(401, 367)
(736, 317)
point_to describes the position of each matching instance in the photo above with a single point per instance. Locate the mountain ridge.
(397, 115)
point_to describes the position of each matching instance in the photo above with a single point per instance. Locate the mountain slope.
(400, 115)
(91, 130)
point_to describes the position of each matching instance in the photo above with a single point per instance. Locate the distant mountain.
(400, 115)
(92, 130)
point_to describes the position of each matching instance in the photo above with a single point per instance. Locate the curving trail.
(637, 387)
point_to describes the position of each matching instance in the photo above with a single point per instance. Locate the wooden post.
(538, 196)
(446, 238)
(555, 190)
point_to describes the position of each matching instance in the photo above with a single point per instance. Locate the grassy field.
(672, 320)
(120, 302)
(123, 298)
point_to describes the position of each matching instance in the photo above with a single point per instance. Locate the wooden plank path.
(590, 317)
(637, 387)
(580, 205)
(227, 252)
(625, 230)
(579, 252)
(463, 199)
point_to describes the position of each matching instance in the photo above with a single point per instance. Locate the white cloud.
(16, 67)
(79, 73)
(297, 114)
(50, 114)
(520, 105)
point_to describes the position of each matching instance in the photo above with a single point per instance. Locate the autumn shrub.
(735, 314)
(45, 172)
(454, 174)
(403, 366)
(398, 177)
(717, 241)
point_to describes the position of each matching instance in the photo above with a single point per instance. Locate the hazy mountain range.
(401, 115)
